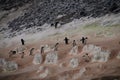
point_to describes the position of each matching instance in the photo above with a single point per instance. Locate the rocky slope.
(66, 63)
(9, 4)
(48, 11)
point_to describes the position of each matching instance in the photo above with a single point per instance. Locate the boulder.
(10, 66)
(2, 62)
(7, 66)
(44, 73)
(74, 50)
(20, 49)
(101, 56)
(77, 75)
(82, 70)
(118, 56)
(51, 58)
(41, 68)
(74, 62)
(37, 59)
(98, 55)
(47, 48)
(90, 48)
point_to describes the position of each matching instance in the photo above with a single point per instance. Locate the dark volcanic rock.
(9, 4)
(46, 11)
